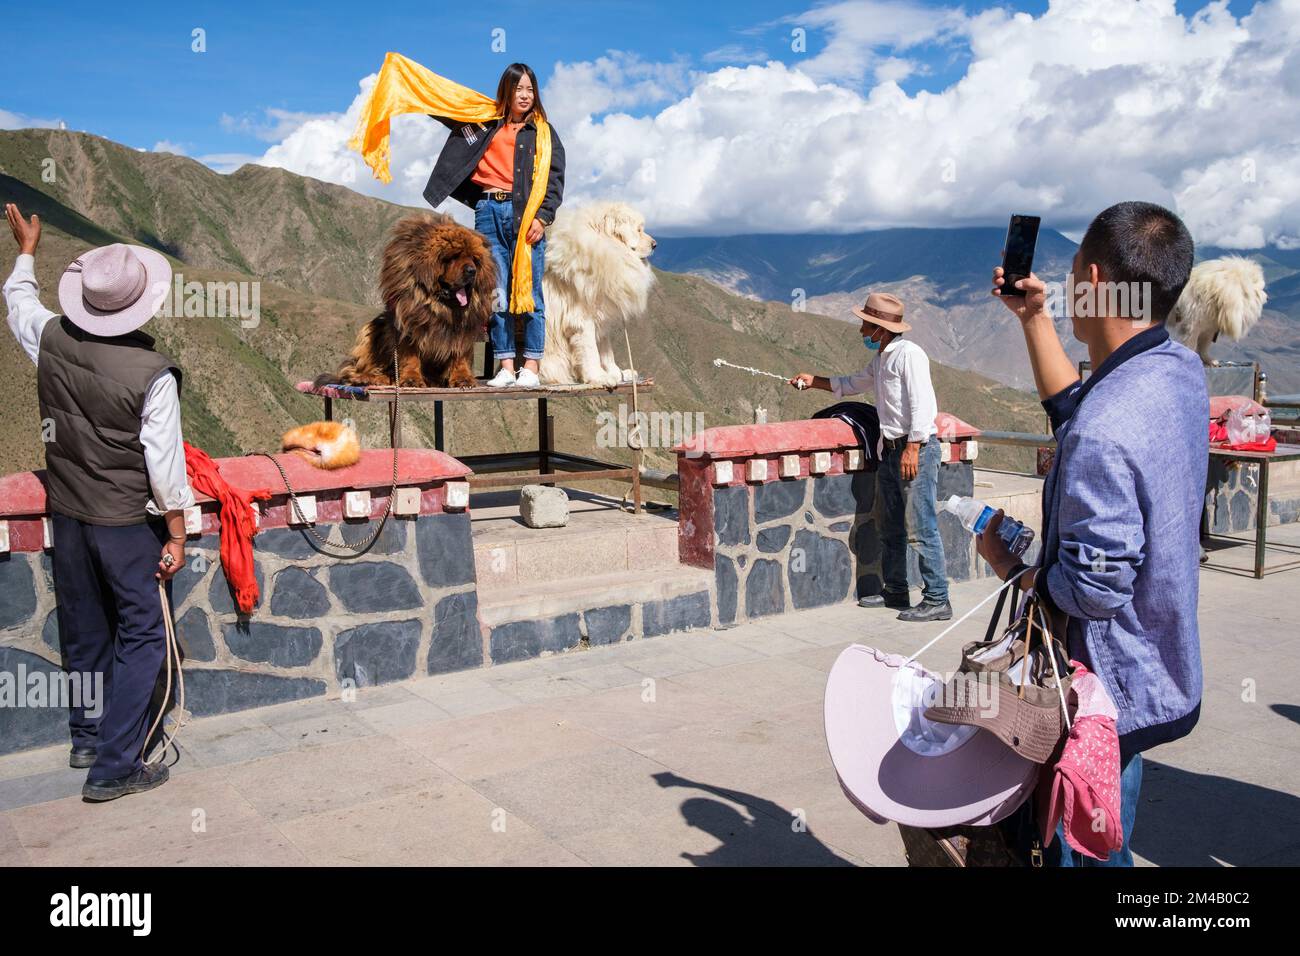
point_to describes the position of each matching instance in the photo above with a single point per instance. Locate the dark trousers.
(111, 624)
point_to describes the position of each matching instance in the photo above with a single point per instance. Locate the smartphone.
(1018, 257)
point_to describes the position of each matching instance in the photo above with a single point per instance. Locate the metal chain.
(357, 547)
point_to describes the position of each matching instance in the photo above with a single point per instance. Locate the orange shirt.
(496, 170)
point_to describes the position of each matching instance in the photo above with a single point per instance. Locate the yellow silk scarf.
(406, 87)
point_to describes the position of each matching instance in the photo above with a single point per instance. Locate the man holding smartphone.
(1122, 504)
(908, 476)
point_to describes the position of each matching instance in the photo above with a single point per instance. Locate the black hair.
(1140, 242)
(506, 89)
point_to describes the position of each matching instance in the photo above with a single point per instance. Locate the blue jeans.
(910, 516)
(495, 221)
(1130, 785)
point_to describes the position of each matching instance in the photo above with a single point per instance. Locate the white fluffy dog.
(597, 277)
(1222, 297)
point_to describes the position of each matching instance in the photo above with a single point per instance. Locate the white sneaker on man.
(504, 379)
(527, 379)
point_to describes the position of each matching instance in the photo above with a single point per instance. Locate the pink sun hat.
(114, 289)
(894, 764)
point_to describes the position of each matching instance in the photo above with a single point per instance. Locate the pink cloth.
(1083, 787)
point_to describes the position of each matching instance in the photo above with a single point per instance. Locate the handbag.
(1012, 841)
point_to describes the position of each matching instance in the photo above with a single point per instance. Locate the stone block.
(17, 590)
(731, 515)
(608, 625)
(444, 551)
(520, 640)
(723, 472)
(789, 466)
(195, 637)
(763, 591)
(779, 499)
(377, 653)
(264, 643)
(838, 495)
(773, 540)
(211, 691)
(727, 584)
(676, 614)
(374, 586)
(390, 540)
(296, 593)
(22, 728)
(457, 641)
(756, 470)
(824, 572)
(543, 507)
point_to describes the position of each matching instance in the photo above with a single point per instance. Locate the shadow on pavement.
(767, 837)
(1194, 819)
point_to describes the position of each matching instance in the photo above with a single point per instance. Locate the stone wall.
(406, 607)
(788, 518)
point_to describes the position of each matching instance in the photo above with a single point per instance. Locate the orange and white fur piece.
(597, 277)
(327, 445)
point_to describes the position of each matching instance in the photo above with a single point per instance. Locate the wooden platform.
(505, 469)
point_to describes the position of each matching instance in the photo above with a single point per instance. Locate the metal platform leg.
(543, 439)
(1261, 518)
(329, 409)
(437, 426)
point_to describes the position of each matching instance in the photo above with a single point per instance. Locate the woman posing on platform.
(490, 168)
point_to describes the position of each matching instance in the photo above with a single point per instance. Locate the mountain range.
(942, 275)
(314, 249)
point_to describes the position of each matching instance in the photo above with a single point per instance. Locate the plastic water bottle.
(975, 514)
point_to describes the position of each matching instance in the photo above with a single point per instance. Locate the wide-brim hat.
(896, 765)
(114, 289)
(884, 310)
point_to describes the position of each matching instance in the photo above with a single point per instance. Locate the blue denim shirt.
(1121, 530)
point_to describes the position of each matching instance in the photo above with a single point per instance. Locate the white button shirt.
(900, 377)
(160, 419)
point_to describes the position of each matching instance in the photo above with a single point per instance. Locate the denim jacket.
(1121, 531)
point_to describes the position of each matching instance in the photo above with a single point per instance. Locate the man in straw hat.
(115, 487)
(899, 373)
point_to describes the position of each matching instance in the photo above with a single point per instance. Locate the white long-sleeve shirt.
(160, 419)
(900, 376)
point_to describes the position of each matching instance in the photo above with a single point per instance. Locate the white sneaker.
(527, 379)
(504, 379)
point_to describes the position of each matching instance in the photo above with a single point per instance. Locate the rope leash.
(172, 658)
(357, 547)
(719, 363)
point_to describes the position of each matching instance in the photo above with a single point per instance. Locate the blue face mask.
(870, 343)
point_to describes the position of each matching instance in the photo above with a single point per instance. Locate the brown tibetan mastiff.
(438, 283)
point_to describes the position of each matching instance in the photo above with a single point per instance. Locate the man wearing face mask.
(908, 477)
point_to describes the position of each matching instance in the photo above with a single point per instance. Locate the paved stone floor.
(697, 748)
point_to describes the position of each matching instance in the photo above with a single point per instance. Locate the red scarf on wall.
(237, 525)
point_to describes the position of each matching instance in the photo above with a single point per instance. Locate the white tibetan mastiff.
(597, 277)
(1222, 297)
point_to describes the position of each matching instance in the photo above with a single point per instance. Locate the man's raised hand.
(26, 233)
(1032, 303)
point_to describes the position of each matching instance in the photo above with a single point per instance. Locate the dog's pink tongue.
(462, 297)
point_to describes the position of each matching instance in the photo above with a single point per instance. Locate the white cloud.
(10, 120)
(167, 146)
(1092, 102)
(273, 126)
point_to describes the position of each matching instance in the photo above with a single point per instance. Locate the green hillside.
(315, 249)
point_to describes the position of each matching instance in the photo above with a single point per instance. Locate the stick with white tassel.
(718, 363)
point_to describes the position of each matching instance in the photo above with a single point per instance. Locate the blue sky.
(1096, 100)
